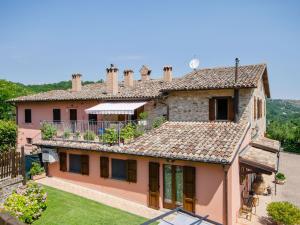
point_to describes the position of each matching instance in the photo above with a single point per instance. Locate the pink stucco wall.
(209, 182)
(234, 187)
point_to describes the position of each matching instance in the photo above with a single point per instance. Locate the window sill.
(118, 179)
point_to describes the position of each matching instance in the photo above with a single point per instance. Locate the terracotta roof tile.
(214, 78)
(214, 142)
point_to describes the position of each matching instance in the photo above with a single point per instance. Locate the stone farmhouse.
(196, 141)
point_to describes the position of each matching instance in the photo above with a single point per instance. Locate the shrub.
(284, 213)
(158, 121)
(8, 135)
(36, 169)
(280, 176)
(89, 136)
(143, 115)
(110, 136)
(48, 131)
(138, 131)
(127, 132)
(27, 204)
(67, 134)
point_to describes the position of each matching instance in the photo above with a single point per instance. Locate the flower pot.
(281, 182)
(142, 122)
(39, 176)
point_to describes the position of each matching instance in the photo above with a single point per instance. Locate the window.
(29, 141)
(75, 163)
(79, 164)
(56, 115)
(221, 109)
(124, 170)
(92, 118)
(119, 169)
(27, 115)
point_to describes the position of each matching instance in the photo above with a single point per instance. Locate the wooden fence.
(12, 164)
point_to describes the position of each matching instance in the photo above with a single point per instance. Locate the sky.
(47, 41)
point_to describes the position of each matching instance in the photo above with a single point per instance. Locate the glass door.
(173, 186)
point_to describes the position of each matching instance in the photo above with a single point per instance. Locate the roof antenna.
(237, 61)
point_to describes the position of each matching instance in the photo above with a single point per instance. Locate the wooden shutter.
(154, 185)
(254, 108)
(212, 113)
(230, 109)
(63, 161)
(131, 170)
(189, 176)
(85, 165)
(104, 167)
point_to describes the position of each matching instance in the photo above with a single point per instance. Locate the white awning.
(115, 108)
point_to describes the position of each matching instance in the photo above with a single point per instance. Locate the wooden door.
(154, 185)
(189, 188)
(73, 114)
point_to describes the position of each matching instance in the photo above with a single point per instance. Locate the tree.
(8, 135)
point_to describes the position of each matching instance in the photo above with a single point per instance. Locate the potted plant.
(280, 178)
(48, 131)
(158, 121)
(77, 135)
(67, 134)
(36, 171)
(143, 118)
(127, 133)
(110, 136)
(89, 136)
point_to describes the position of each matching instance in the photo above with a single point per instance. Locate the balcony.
(102, 132)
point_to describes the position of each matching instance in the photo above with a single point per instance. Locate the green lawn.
(68, 209)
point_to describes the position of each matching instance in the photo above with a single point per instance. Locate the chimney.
(76, 82)
(145, 73)
(167, 73)
(236, 91)
(112, 85)
(128, 78)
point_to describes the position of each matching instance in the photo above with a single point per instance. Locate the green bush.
(89, 136)
(48, 131)
(8, 135)
(127, 132)
(36, 169)
(110, 136)
(138, 131)
(158, 121)
(284, 213)
(280, 176)
(27, 204)
(67, 134)
(143, 115)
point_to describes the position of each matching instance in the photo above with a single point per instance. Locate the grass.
(69, 209)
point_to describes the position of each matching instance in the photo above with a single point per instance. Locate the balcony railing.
(104, 132)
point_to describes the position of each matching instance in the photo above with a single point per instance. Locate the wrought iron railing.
(104, 132)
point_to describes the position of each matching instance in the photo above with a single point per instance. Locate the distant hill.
(10, 90)
(283, 123)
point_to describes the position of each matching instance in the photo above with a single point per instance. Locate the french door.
(179, 187)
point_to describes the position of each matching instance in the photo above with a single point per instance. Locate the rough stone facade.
(8, 185)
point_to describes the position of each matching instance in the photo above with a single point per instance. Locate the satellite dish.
(194, 63)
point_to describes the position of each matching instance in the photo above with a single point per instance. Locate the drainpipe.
(236, 91)
(225, 188)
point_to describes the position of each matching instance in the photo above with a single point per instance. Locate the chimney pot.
(112, 85)
(128, 78)
(167, 73)
(76, 82)
(145, 73)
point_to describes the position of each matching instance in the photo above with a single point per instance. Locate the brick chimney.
(76, 82)
(145, 73)
(128, 78)
(168, 73)
(112, 85)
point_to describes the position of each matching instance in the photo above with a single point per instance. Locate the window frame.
(26, 119)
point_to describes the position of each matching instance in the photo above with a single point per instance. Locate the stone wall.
(6, 219)
(8, 185)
